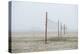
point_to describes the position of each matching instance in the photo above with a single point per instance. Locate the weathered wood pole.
(58, 29)
(61, 30)
(46, 29)
(64, 29)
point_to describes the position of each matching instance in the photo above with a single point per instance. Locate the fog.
(30, 16)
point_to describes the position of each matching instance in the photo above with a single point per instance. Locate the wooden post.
(61, 30)
(64, 29)
(46, 29)
(58, 29)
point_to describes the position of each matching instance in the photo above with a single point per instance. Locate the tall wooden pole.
(61, 30)
(46, 29)
(58, 28)
(64, 29)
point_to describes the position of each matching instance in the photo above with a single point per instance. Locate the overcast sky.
(28, 16)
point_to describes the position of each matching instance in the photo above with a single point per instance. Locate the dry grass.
(30, 42)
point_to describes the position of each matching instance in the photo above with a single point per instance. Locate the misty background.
(30, 16)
